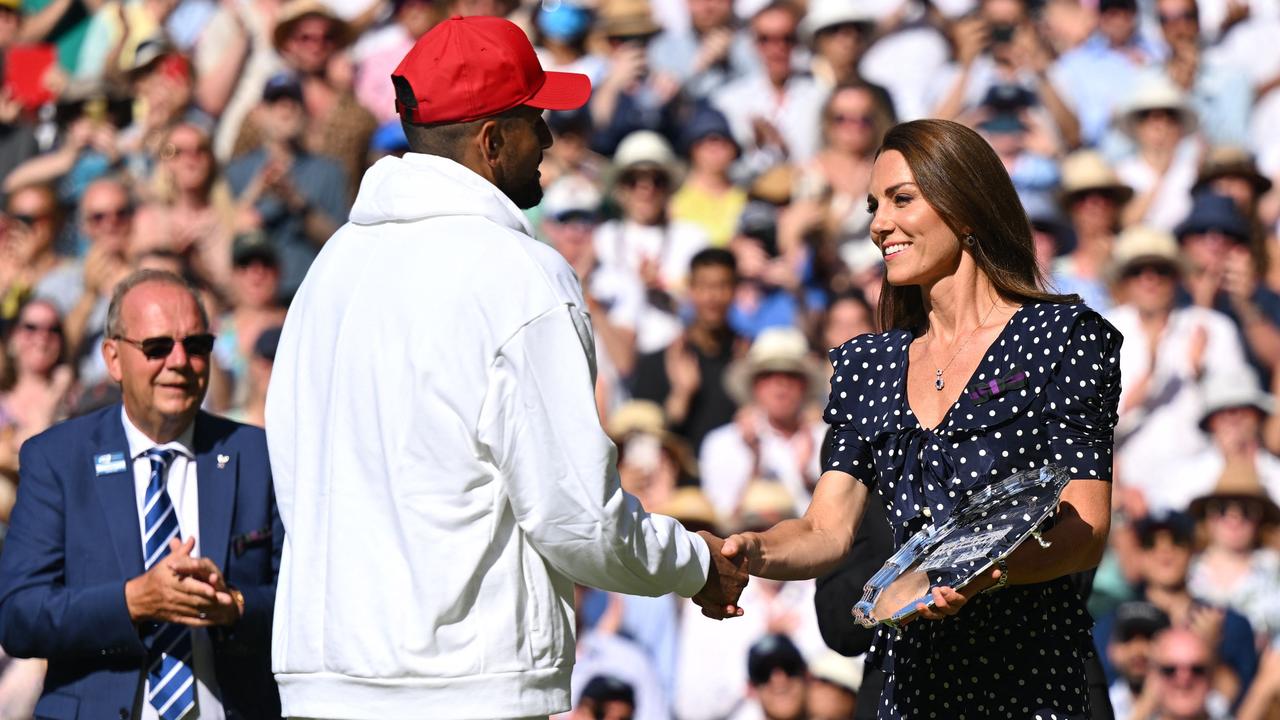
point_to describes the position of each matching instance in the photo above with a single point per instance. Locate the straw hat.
(627, 18)
(764, 504)
(1236, 390)
(296, 10)
(775, 185)
(779, 349)
(645, 417)
(1088, 170)
(1239, 481)
(1231, 161)
(645, 147)
(1157, 92)
(691, 507)
(1142, 243)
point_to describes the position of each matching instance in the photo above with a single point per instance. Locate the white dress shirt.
(183, 489)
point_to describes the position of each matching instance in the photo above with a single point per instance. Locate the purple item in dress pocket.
(240, 543)
(981, 392)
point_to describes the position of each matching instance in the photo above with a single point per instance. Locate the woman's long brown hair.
(961, 178)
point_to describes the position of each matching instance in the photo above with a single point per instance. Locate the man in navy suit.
(143, 552)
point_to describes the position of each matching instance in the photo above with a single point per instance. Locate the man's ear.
(111, 355)
(490, 139)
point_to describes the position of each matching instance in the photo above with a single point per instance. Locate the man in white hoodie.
(439, 464)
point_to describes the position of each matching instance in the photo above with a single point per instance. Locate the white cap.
(571, 193)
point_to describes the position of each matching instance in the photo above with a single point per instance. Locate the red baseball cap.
(469, 68)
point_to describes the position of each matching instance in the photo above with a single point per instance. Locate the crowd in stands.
(711, 199)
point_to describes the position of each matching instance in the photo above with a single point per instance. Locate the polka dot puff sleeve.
(848, 452)
(1081, 400)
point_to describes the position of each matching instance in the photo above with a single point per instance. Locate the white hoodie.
(440, 467)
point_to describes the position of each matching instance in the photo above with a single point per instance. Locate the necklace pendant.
(938, 384)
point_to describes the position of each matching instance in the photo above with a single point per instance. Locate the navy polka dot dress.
(1019, 652)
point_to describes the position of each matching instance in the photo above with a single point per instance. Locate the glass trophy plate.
(992, 523)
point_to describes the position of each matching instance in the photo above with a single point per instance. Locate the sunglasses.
(27, 219)
(1148, 539)
(1186, 16)
(30, 327)
(315, 38)
(172, 151)
(158, 348)
(1140, 269)
(860, 120)
(1197, 670)
(657, 179)
(119, 215)
(778, 38)
(1247, 509)
(1153, 113)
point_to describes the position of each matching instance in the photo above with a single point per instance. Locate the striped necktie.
(171, 688)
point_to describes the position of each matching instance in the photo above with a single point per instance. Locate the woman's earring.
(970, 239)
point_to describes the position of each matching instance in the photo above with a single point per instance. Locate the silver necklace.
(938, 383)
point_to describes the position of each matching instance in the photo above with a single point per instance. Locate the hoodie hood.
(417, 187)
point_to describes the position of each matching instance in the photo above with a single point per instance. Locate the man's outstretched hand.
(726, 578)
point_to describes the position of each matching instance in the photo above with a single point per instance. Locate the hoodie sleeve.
(539, 424)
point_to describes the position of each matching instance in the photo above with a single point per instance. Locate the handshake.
(727, 575)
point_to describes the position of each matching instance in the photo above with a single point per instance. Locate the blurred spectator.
(848, 316)
(189, 208)
(28, 264)
(1224, 275)
(685, 377)
(1051, 233)
(1220, 95)
(772, 436)
(1231, 171)
(107, 226)
(1179, 683)
(605, 698)
(1264, 694)
(1163, 559)
(297, 198)
(838, 33)
(162, 82)
(710, 53)
(615, 298)
(834, 681)
(17, 132)
(632, 97)
(560, 36)
(1166, 353)
(774, 113)
(778, 679)
(1024, 148)
(1162, 167)
(774, 248)
(251, 410)
(1128, 649)
(652, 462)
(116, 34)
(234, 58)
(1235, 409)
(1116, 51)
(602, 650)
(309, 37)
(645, 242)
(571, 154)
(36, 385)
(854, 121)
(411, 19)
(1093, 197)
(708, 198)
(255, 308)
(90, 116)
(999, 46)
(1234, 570)
(61, 22)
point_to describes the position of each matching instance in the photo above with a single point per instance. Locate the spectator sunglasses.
(158, 348)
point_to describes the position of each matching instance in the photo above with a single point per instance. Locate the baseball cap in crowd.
(607, 688)
(1138, 618)
(1175, 522)
(1211, 212)
(389, 138)
(773, 652)
(1046, 217)
(836, 669)
(707, 122)
(253, 247)
(157, 53)
(267, 343)
(282, 85)
(571, 197)
(470, 68)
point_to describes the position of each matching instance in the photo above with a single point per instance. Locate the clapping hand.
(726, 578)
(181, 589)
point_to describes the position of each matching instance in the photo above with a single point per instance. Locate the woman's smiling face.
(918, 246)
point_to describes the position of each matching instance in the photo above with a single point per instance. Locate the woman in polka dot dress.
(981, 374)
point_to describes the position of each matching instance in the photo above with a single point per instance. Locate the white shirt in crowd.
(796, 112)
(184, 492)
(726, 463)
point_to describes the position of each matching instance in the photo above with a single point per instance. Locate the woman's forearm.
(1075, 545)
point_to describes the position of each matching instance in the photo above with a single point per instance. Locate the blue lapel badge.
(108, 463)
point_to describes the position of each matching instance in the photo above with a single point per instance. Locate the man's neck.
(159, 429)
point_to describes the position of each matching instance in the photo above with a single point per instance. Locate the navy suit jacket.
(74, 542)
